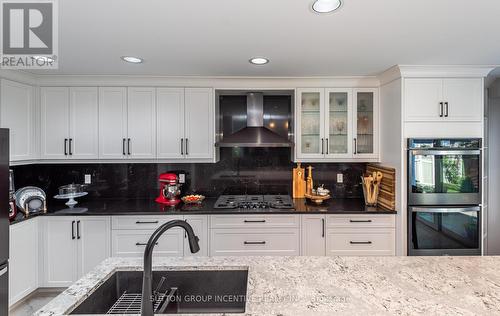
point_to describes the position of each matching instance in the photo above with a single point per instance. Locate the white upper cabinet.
(84, 112)
(170, 122)
(199, 120)
(112, 123)
(69, 119)
(141, 123)
(451, 99)
(334, 124)
(54, 123)
(17, 113)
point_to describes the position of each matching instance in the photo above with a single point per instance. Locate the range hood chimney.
(254, 134)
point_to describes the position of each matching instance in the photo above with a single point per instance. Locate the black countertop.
(150, 207)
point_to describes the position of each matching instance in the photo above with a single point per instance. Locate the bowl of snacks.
(193, 199)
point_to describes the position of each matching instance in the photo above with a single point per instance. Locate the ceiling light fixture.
(259, 60)
(132, 59)
(326, 6)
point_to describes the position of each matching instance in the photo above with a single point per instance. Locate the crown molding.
(431, 71)
(19, 76)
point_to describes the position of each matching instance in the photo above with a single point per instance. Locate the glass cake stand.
(71, 198)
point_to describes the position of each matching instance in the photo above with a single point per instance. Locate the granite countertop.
(150, 207)
(333, 285)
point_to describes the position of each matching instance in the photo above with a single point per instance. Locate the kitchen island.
(332, 285)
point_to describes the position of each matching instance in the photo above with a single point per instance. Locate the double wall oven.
(444, 196)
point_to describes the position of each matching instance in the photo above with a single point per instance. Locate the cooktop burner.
(254, 202)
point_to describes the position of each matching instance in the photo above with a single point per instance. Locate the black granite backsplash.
(239, 171)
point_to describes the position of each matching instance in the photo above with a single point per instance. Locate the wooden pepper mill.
(309, 182)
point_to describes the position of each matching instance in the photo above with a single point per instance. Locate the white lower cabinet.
(348, 235)
(252, 235)
(313, 235)
(131, 233)
(23, 259)
(72, 246)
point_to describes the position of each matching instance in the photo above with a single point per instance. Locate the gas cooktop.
(254, 202)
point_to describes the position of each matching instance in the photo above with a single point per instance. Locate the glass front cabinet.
(336, 123)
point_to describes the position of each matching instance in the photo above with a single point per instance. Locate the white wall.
(493, 220)
(391, 149)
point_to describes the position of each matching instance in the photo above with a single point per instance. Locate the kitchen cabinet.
(200, 228)
(185, 123)
(360, 235)
(141, 123)
(253, 235)
(336, 124)
(73, 246)
(313, 234)
(112, 123)
(69, 123)
(23, 259)
(449, 99)
(130, 235)
(17, 113)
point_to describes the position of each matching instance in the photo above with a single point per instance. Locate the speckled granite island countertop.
(334, 285)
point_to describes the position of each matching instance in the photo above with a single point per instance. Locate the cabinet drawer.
(254, 221)
(234, 242)
(140, 222)
(366, 242)
(128, 243)
(353, 221)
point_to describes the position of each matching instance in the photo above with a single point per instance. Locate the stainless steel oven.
(436, 231)
(444, 171)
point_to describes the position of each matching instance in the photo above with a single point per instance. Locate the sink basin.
(199, 291)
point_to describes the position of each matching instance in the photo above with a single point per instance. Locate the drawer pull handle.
(146, 222)
(360, 221)
(259, 221)
(360, 242)
(143, 243)
(254, 242)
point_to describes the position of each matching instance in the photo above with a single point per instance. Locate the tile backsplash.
(240, 170)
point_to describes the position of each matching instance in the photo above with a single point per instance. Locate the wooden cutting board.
(299, 182)
(387, 193)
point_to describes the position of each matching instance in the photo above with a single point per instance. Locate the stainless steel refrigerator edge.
(4, 221)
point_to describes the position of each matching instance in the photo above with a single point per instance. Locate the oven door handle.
(444, 152)
(445, 210)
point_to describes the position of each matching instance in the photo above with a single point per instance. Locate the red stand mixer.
(170, 189)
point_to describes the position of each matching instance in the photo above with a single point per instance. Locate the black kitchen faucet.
(147, 286)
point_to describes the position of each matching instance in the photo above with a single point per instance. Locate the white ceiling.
(217, 37)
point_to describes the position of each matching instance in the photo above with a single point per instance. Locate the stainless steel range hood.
(255, 134)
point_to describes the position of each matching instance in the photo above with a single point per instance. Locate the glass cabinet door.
(366, 122)
(338, 118)
(310, 112)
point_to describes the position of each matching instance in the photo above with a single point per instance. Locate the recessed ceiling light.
(259, 60)
(326, 6)
(44, 59)
(132, 59)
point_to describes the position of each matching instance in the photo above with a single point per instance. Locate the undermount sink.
(199, 291)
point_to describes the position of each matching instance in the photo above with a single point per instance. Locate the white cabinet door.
(422, 98)
(313, 235)
(84, 114)
(112, 122)
(141, 142)
(338, 123)
(131, 243)
(170, 122)
(94, 237)
(464, 99)
(199, 131)
(23, 259)
(200, 227)
(365, 123)
(54, 123)
(17, 113)
(310, 123)
(60, 251)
